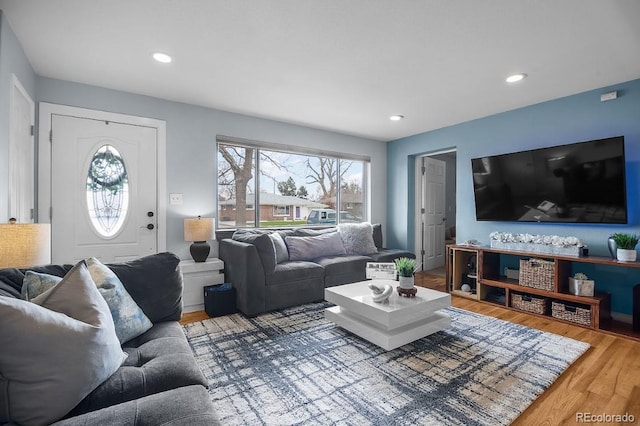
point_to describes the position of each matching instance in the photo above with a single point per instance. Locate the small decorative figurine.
(380, 292)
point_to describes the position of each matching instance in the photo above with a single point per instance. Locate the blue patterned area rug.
(294, 367)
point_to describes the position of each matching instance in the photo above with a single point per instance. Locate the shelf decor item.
(626, 246)
(544, 244)
(581, 285)
(536, 273)
(613, 247)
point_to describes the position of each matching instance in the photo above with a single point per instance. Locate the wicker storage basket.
(567, 312)
(536, 273)
(524, 302)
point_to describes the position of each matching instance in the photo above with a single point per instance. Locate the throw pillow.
(357, 238)
(308, 248)
(35, 283)
(282, 254)
(130, 321)
(62, 347)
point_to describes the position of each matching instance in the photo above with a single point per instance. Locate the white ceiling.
(340, 65)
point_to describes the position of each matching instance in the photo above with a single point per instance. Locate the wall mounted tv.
(577, 183)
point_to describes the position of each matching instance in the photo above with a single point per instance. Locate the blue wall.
(572, 119)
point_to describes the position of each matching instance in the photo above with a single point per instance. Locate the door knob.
(150, 214)
(150, 226)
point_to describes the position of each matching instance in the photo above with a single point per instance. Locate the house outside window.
(264, 185)
(281, 210)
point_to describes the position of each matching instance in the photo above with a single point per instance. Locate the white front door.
(433, 207)
(103, 189)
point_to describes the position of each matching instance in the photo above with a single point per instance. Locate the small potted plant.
(626, 246)
(405, 267)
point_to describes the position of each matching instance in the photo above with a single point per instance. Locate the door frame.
(47, 110)
(417, 197)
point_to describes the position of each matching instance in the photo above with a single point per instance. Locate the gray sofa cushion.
(295, 271)
(188, 406)
(312, 247)
(154, 282)
(282, 254)
(158, 360)
(264, 246)
(339, 265)
(377, 235)
(343, 269)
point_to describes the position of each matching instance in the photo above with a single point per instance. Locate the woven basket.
(536, 273)
(571, 313)
(524, 302)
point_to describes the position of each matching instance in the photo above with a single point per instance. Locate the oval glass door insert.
(107, 191)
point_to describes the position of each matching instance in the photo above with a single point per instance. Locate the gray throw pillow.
(56, 350)
(308, 248)
(129, 320)
(357, 238)
(282, 254)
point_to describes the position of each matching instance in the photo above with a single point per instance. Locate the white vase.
(406, 282)
(624, 255)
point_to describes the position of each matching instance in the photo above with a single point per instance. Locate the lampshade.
(25, 244)
(198, 229)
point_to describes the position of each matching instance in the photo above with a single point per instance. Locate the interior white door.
(21, 154)
(433, 209)
(103, 190)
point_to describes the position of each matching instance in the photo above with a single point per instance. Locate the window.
(262, 185)
(281, 210)
(107, 191)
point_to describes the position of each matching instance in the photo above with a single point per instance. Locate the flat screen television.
(582, 182)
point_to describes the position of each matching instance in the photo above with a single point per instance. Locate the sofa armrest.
(243, 269)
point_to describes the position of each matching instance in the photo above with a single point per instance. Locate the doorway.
(102, 183)
(435, 201)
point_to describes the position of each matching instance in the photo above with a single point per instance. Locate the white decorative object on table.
(548, 244)
(381, 292)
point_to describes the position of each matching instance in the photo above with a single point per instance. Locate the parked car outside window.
(328, 216)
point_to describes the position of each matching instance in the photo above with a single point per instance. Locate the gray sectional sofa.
(159, 382)
(266, 279)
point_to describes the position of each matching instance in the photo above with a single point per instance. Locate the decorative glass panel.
(107, 191)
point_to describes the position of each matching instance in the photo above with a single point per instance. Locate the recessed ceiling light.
(396, 117)
(162, 57)
(514, 78)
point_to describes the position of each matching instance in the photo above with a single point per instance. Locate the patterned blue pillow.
(35, 283)
(129, 320)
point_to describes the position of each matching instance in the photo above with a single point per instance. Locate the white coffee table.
(389, 325)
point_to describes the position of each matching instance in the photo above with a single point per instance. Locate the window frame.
(297, 150)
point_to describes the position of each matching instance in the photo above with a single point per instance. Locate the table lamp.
(199, 230)
(24, 244)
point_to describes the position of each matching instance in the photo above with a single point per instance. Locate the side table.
(197, 275)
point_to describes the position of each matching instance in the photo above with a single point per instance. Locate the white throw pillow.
(357, 238)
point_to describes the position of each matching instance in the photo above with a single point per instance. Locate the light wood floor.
(605, 380)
